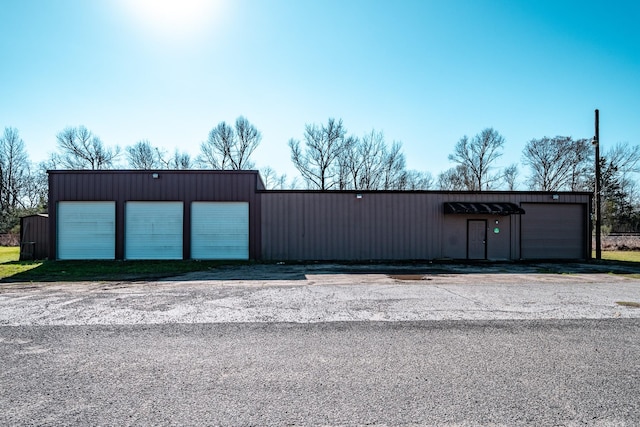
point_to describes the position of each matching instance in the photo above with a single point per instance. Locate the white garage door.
(153, 230)
(220, 230)
(86, 230)
(553, 231)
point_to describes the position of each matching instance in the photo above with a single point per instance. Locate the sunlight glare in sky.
(424, 72)
(172, 19)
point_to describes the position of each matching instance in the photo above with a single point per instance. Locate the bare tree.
(281, 182)
(510, 176)
(248, 139)
(368, 164)
(547, 163)
(295, 183)
(394, 173)
(372, 154)
(348, 162)
(229, 148)
(23, 189)
(416, 180)
(268, 175)
(559, 163)
(142, 155)
(35, 188)
(619, 167)
(582, 156)
(626, 158)
(478, 155)
(81, 149)
(179, 160)
(14, 170)
(458, 178)
(215, 152)
(372, 160)
(272, 180)
(317, 163)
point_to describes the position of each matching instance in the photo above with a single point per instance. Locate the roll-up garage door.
(553, 231)
(220, 230)
(153, 230)
(86, 230)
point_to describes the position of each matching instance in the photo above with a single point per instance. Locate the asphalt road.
(462, 373)
(325, 345)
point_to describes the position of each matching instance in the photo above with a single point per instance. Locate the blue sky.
(423, 72)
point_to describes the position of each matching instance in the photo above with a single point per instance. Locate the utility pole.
(596, 142)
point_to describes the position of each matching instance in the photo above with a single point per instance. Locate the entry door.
(476, 239)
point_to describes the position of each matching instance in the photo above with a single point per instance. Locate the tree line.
(329, 158)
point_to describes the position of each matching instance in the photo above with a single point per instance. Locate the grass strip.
(9, 253)
(12, 270)
(627, 256)
(81, 271)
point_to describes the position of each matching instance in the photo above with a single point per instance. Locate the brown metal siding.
(186, 186)
(303, 225)
(310, 225)
(34, 237)
(339, 226)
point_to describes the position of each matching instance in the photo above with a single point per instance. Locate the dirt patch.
(631, 304)
(621, 243)
(9, 239)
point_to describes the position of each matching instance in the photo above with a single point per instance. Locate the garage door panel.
(220, 230)
(86, 230)
(553, 231)
(153, 230)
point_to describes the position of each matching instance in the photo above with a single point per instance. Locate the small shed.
(34, 237)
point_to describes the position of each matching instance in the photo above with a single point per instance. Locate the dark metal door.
(558, 231)
(477, 239)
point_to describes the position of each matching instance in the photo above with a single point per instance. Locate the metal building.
(424, 225)
(230, 215)
(154, 214)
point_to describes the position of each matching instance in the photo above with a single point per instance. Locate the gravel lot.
(328, 293)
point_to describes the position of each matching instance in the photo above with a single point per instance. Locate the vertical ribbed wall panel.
(338, 225)
(300, 225)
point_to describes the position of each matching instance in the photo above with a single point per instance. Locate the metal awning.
(482, 208)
